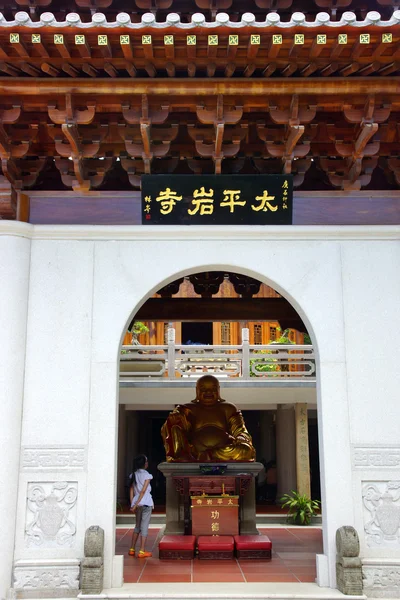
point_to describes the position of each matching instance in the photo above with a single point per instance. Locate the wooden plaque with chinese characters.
(215, 515)
(217, 199)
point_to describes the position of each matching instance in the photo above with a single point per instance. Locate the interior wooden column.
(216, 333)
(302, 453)
(178, 333)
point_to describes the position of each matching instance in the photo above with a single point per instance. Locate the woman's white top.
(140, 477)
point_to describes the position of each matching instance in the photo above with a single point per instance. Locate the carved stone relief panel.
(381, 580)
(47, 579)
(52, 457)
(50, 520)
(381, 502)
(376, 457)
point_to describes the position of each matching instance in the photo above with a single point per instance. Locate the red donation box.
(215, 515)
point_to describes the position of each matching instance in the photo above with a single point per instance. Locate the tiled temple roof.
(198, 20)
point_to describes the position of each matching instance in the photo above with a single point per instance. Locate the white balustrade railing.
(245, 361)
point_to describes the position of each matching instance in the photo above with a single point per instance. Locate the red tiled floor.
(165, 578)
(293, 559)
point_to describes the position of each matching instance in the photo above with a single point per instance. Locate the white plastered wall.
(86, 283)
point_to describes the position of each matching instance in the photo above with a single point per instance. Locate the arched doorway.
(142, 410)
(295, 269)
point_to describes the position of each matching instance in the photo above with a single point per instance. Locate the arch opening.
(202, 310)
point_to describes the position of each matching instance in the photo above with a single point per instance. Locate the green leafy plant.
(136, 328)
(301, 507)
(272, 364)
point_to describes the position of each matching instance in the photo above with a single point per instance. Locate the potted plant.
(301, 507)
(272, 364)
(136, 329)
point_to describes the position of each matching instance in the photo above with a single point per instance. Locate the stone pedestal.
(348, 563)
(175, 509)
(92, 565)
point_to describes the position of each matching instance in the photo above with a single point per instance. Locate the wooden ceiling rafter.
(118, 51)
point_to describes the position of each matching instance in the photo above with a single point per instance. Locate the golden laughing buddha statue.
(208, 429)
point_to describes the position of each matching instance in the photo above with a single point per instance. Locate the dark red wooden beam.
(220, 309)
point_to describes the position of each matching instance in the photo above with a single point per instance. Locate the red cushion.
(252, 542)
(215, 542)
(177, 542)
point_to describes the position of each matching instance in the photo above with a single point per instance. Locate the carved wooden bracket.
(145, 113)
(219, 114)
(370, 113)
(134, 169)
(219, 117)
(288, 149)
(147, 142)
(12, 148)
(9, 146)
(293, 114)
(8, 199)
(145, 117)
(22, 173)
(8, 116)
(299, 170)
(76, 151)
(355, 172)
(199, 166)
(394, 166)
(70, 114)
(206, 284)
(287, 146)
(349, 173)
(83, 174)
(360, 147)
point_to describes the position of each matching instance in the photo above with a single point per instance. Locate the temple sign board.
(215, 515)
(217, 200)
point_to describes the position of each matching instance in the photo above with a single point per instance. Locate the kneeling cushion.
(253, 546)
(215, 546)
(177, 546)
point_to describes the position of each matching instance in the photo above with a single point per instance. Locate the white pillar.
(285, 450)
(121, 473)
(14, 290)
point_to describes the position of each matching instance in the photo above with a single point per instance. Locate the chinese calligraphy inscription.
(217, 200)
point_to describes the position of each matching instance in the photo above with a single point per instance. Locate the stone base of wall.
(57, 578)
(381, 578)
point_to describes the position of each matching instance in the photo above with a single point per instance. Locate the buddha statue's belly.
(208, 437)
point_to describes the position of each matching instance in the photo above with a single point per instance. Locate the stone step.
(221, 591)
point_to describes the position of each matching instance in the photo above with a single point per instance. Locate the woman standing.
(141, 504)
